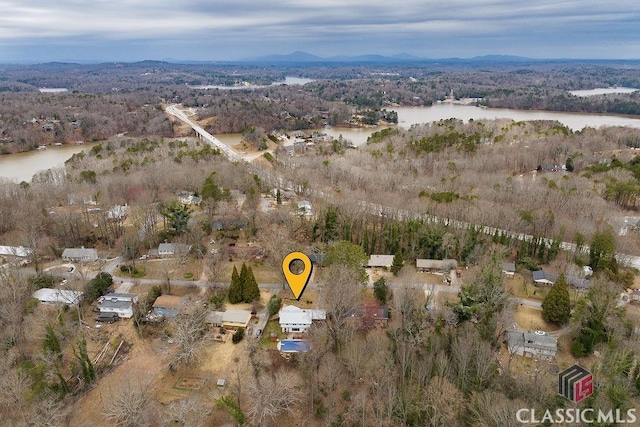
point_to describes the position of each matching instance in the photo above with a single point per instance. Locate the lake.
(408, 116)
(22, 166)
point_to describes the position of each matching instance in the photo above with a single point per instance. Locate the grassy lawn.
(272, 327)
(263, 273)
(521, 288)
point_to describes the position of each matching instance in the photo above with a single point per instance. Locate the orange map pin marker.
(297, 281)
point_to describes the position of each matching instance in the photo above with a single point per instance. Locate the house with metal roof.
(295, 319)
(51, 296)
(15, 251)
(537, 344)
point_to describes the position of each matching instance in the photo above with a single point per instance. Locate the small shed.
(168, 305)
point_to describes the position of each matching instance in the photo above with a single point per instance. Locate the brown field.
(530, 318)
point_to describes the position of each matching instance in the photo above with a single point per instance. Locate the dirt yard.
(530, 318)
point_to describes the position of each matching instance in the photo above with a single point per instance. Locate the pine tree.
(397, 264)
(235, 290)
(243, 279)
(250, 290)
(556, 306)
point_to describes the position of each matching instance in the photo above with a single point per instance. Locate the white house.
(537, 345)
(57, 296)
(121, 304)
(295, 319)
(16, 251)
(80, 254)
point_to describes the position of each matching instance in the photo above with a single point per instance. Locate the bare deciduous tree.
(339, 295)
(272, 395)
(189, 333)
(191, 411)
(128, 404)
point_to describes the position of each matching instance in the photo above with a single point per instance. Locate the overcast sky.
(132, 30)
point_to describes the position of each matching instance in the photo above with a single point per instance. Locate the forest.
(425, 192)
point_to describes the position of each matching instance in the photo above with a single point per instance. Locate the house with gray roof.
(545, 278)
(173, 249)
(509, 268)
(537, 344)
(426, 265)
(80, 254)
(384, 261)
(118, 303)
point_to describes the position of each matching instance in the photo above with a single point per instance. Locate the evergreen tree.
(381, 290)
(244, 272)
(556, 306)
(235, 290)
(87, 368)
(250, 289)
(602, 251)
(51, 343)
(397, 264)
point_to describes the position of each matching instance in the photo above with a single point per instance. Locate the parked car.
(107, 317)
(70, 269)
(258, 333)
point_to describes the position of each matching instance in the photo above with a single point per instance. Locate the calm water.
(408, 116)
(23, 166)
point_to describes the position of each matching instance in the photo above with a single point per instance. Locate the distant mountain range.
(304, 57)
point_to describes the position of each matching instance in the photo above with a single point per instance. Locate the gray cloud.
(189, 29)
